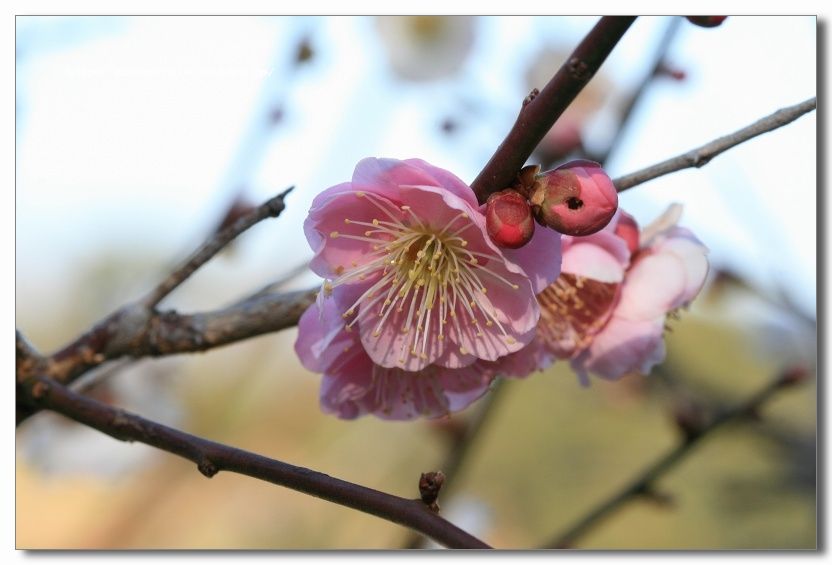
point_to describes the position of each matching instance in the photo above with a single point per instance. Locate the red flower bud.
(577, 198)
(508, 219)
(627, 229)
(707, 21)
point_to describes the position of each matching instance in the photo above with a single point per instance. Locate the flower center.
(422, 278)
(572, 310)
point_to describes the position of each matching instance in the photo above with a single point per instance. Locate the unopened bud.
(577, 198)
(508, 219)
(707, 21)
(627, 229)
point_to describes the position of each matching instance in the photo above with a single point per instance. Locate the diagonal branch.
(701, 156)
(541, 110)
(212, 457)
(643, 485)
(269, 209)
(636, 95)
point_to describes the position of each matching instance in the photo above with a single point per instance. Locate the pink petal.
(540, 258)
(601, 256)
(623, 346)
(322, 338)
(653, 287)
(325, 226)
(392, 394)
(388, 174)
(693, 255)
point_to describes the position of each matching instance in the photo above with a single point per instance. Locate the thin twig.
(643, 485)
(211, 457)
(637, 94)
(269, 209)
(701, 156)
(541, 110)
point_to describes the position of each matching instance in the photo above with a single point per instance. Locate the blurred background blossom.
(137, 136)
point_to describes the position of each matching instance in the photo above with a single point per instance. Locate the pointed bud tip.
(508, 219)
(578, 198)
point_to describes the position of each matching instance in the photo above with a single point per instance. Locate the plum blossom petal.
(623, 347)
(540, 258)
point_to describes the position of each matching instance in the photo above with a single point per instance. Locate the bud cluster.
(578, 198)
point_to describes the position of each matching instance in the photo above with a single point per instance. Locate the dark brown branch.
(644, 484)
(541, 110)
(701, 156)
(269, 209)
(211, 458)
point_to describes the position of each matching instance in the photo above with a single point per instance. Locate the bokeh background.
(136, 136)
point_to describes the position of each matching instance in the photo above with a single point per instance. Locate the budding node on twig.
(207, 467)
(429, 486)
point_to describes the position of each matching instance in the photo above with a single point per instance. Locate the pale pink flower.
(425, 48)
(428, 287)
(606, 312)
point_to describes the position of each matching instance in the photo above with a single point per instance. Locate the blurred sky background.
(135, 134)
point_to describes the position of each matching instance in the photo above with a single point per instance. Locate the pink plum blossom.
(428, 286)
(606, 312)
(426, 48)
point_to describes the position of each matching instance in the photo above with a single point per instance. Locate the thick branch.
(269, 209)
(643, 485)
(541, 110)
(135, 332)
(211, 457)
(701, 156)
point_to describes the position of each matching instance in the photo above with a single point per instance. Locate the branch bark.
(212, 457)
(643, 485)
(134, 332)
(701, 156)
(541, 110)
